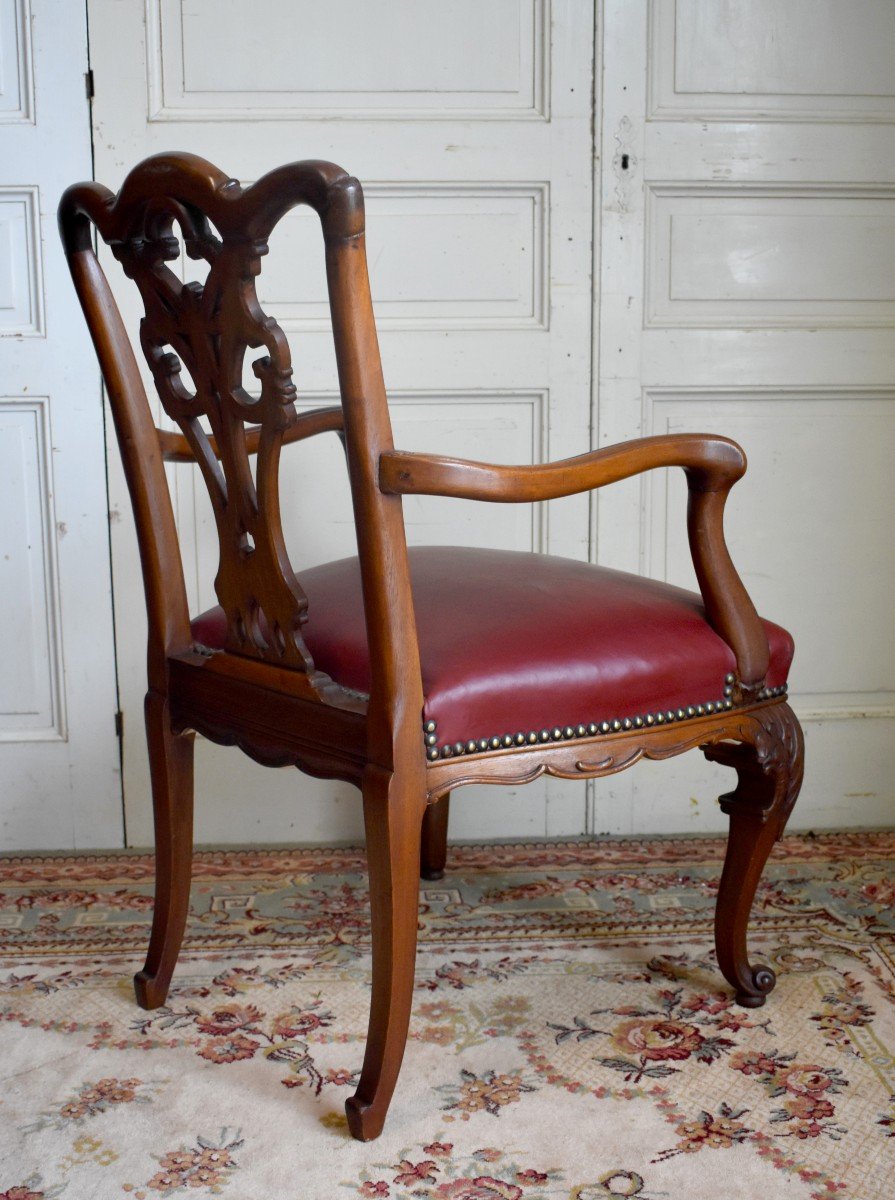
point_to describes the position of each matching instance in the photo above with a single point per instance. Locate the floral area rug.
(571, 1037)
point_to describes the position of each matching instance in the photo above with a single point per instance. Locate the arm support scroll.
(712, 465)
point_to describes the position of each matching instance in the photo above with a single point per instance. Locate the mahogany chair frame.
(262, 692)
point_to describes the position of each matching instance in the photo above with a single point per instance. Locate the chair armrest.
(715, 462)
(176, 448)
(712, 465)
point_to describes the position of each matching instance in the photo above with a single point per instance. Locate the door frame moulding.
(597, 174)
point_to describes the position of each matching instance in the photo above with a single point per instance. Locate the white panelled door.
(748, 288)
(469, 125)
(60, 783)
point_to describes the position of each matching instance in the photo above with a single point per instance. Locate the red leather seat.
(516, 643)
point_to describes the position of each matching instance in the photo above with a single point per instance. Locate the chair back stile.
(209, 329)
(396, 700)
(162, 567)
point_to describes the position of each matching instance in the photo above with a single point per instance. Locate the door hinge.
(119, 724)
(88, 84)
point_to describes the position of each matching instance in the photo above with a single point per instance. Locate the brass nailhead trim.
(569, 732)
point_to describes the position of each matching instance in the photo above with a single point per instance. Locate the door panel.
(59, 775)
(426, 60)
(748, 221)
(469, 126)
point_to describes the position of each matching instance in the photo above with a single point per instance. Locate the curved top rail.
(238, 212)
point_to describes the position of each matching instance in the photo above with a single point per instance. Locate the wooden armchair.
(406, 673)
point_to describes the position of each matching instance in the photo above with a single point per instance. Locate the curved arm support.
(728, 605)
(176, 448)
(712, 465)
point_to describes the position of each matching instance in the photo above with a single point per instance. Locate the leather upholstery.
(514, 642)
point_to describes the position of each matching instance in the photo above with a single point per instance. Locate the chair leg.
(171, 770)
(393, 813)
(435, 831)
(769, 766)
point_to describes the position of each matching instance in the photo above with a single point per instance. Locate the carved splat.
(208, 329)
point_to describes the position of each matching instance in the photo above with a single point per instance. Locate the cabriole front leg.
(768, 759)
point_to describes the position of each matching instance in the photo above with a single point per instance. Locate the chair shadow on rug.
(407, 673)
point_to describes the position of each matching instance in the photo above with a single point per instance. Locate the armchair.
(407, 673)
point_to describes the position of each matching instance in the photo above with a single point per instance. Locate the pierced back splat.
(208, 329)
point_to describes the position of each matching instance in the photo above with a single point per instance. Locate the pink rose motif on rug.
(207, 1165)
(92, 1099)
(488, 1173)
